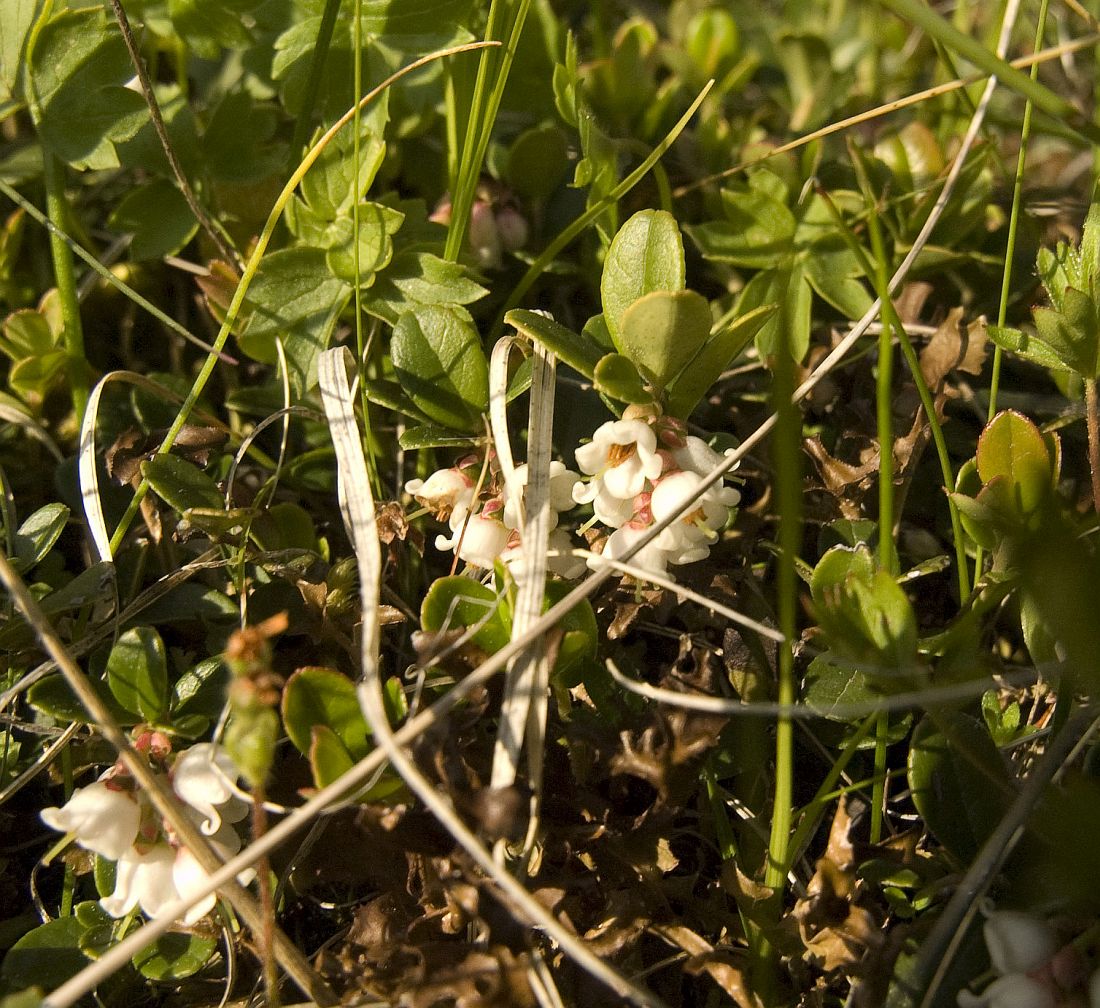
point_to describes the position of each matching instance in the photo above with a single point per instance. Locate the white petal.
(201, 776)
(189, 877)
(483, 541)
(143, 880)
(1018, 942)
(104, 820)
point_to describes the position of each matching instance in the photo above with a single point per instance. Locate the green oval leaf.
(646, 255)
(662, 331)
(47, 956)
(438, 359)
(959, 782)
(137, 673)
(617, 377)
(458, 602)
(181, 484)
(1012, 447)
(323, 697)
(175, 956)
(36, 536)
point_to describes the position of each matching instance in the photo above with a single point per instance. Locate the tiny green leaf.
(137, 673)
(36, 536)
(456, 602)
(1012, 447)
(175, 956)
(322, 696)
(181, 484)
(617, 377)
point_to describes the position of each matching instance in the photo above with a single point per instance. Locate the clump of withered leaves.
(627, 855)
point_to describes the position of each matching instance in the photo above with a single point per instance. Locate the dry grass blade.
(524, 708)
(166, 805)
(336, 395)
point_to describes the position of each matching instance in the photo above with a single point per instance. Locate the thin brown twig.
(217, 236)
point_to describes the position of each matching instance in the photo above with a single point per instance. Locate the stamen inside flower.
(617, 454)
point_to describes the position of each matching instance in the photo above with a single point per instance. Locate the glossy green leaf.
(46, 957)
(958, 780)
(181, 484)
(456, 603)
(1025, 345)
(837, 565)
(662, 331)
(430, 436)
(702, 371)
(617, 377)
(53, 696)
(579, 353)
(646, 255)
(332, 184)
(78, 67)
(1012, 447)
(834, 688)
(439, 362)
(175, 956)
(328, 756)
(137, 673)
(322, 696)
(201, 689)
(158, 217)
(295, 299)
(36, 536)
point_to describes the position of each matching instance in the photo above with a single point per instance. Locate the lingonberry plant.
(519, 504)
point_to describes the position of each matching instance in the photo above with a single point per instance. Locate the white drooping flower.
(562, 481)
(1019, 947)
(696, 456)
(478, 540)
(152, 868)
(104, 818)
(621, 456)
(649, 558)
(559, 560)
(690, 535)
(203, 777)
(444, 492)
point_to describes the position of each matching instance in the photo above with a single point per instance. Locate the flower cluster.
(1034, 969)
(486, 525)
(496, 225)
(645, 469)
(639, 470)
(113, 818)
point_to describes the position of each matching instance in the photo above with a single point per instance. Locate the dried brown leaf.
(953, 347)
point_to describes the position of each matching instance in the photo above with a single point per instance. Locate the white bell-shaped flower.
(622, 456)
(443, 493)
(478, 541)
(142, 880)
(649, 558)
(1018, 942)
(203, 777)
(103, 818)
(690, 535)
(696, 456)
(1015, 990)
(560, 559)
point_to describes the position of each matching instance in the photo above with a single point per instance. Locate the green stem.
(788, 486)
(878, 788)
(65, 277)
(304, 121)
(479, 126)
(1092, 422)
